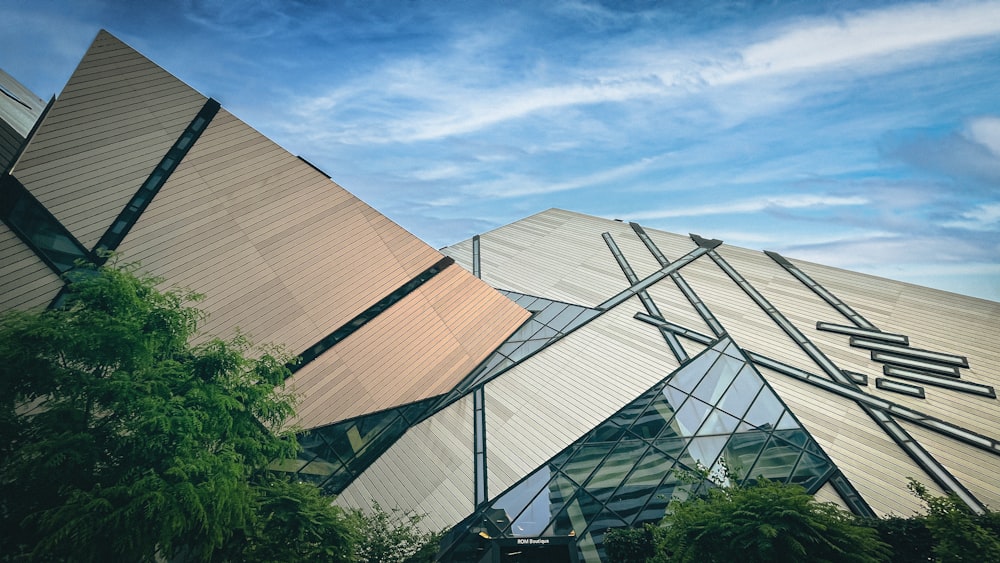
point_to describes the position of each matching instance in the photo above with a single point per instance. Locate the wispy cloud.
(816, 44)
(752, 205)
(985, 217)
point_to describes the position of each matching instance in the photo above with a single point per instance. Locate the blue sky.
(859, 134)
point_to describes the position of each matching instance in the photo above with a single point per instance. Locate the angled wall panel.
(540, 406)
(25, 281)
(113, 122)
(419, 348)
(429, 471)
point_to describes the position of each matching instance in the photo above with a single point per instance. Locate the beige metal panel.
(10, 143)
(115, 119)
(828, 494)
(541, 406)
(559, 255)
(428, 471)
(750, 327)
(934, 320)
(22, 113)
(420, 347)
(870, 460)
(234, 218)
(975, 468)
(25, 281)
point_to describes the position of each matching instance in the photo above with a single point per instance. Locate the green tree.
(958, 534)
(293, 522)
(392, 537)
(629, 545)
(122, 442)
(762, 522)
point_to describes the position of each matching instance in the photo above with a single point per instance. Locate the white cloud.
(821, 43)
(986, 131)
(753, 205)
(985, 217)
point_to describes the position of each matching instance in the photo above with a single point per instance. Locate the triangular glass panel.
(688, 377)
(718, 379)
(524, 497)
(741, 452)
(575, 516)
(741, 393)
(608, 432)
(612, 472)
(653, 420)
(776, 462)
(718, 422)
(765, 411)
(787, 422)
(809, 470)
(583, 464)
(705, 450)
(691, 414)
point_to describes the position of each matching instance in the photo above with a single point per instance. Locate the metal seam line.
(916, 452)
(826, 295)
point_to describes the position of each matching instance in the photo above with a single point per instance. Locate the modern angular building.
(527, 389)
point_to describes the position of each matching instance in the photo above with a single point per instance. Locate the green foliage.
(392, 537)
(909, 538)
(629, 545)
(766, 521)
(120, 441)
(293, 522)
(958, 534)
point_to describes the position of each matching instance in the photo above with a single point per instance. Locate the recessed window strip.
(855, 331)
(877, 409)
(887, 358)
(859, 378)
(38, 228)
(689, 293)
(367, 315)
(475, 257)
(652, 279)
(675, 329)
(898, 387)
(945, 428)
(850, 495)
(824, 294)
(479, 425)
(938, 381)
(157, 178)
(939, 357)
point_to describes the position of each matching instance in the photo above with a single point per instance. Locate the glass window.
(766, 410)
(741, 393)
(718, 379)
(718, 422)
(526, 496)
(612, 472)
(688, 376)
(706, 449)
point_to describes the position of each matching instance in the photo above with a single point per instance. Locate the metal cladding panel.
(278, 249)
(10, 143)
(21, 110)
(976, 469)
(827, 493)
(870, 460)
(429, 470)
(420, 347)
(542, 405)
(933, 320)
(558, 255)
(113, 123)
(25, 281)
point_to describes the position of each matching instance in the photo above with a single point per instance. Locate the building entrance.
(548, 550)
